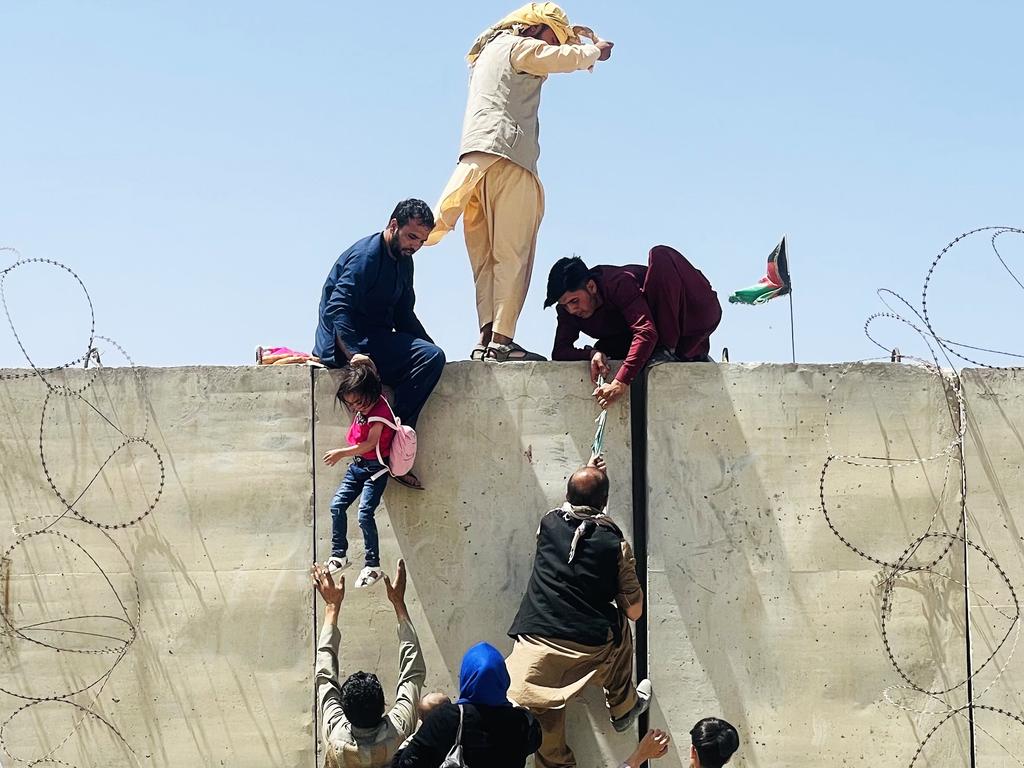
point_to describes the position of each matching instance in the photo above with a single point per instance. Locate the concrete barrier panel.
(995, 473)
(220, 672)
(496, 445)
(759, 614)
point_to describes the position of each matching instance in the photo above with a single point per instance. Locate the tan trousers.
(502, 204)
(547, 673)
(501, 221)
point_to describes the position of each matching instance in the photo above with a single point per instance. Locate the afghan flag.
(775, 283)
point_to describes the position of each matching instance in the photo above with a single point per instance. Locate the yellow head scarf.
(530, 14)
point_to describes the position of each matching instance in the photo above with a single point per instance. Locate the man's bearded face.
(407, 239)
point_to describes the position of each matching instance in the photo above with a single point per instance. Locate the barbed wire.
(62, 636)
(939, 348)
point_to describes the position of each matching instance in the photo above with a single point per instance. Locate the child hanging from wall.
(369, 443)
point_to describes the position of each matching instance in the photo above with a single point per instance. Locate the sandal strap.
(510, 351)
(498, 350)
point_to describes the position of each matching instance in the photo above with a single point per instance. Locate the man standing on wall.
(357, 733)
(571, 629)
(663, 312)
(368, 307)
(495, 182)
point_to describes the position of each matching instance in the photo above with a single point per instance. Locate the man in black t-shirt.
(572, 626)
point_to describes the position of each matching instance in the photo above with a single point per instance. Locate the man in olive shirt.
(571, 629)
(356, 731)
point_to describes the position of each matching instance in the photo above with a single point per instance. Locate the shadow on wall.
(221, 667)
(759, 614)
(995, 463)
(498, 443)
(715, 544)
(213, 579)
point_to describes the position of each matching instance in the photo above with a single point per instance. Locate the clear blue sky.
(201, 165)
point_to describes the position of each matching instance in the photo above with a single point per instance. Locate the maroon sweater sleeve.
(566, 334)
(625, 295)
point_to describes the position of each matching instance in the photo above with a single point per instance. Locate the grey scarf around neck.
(587, 517)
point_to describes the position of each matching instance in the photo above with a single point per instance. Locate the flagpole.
(792, 335)
(792, 331)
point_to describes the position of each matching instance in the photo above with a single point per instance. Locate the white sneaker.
(368, 577)
(337, 564)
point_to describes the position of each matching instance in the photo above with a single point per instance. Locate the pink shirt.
(360, 430)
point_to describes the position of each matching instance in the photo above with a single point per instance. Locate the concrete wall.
(995, 474)
(219, 673)
(498, 444)
(757, 612)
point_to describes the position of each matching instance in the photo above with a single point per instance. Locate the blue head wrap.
(484, 678)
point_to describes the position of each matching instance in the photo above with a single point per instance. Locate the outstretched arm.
(410, 658)
(637, 314)
(535, 57)
(328, 690)
(332, 457)
(653, 745)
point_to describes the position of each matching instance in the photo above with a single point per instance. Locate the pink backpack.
(403, 446)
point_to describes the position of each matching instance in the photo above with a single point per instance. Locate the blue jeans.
(357, 481)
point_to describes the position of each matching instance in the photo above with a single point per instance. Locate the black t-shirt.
(492, 737)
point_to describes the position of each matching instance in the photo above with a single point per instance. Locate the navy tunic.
(367, 293)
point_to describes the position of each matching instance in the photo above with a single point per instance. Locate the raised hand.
(653, 745)
(396, 591)
(333, 594)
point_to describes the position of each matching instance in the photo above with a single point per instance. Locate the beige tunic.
(349, 746)
(502, 199)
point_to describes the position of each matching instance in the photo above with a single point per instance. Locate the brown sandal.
(409, 480)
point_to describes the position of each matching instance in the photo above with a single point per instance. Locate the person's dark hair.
(360, 380)
(587, 487)
(568, 274)
(413, 209)
(362, 699)
(715, 741)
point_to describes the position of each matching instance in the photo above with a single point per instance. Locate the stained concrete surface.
(220, 671)
(995, 473)
(758, 612)
(496, 446)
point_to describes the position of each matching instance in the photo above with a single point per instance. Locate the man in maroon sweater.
(663, 312)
